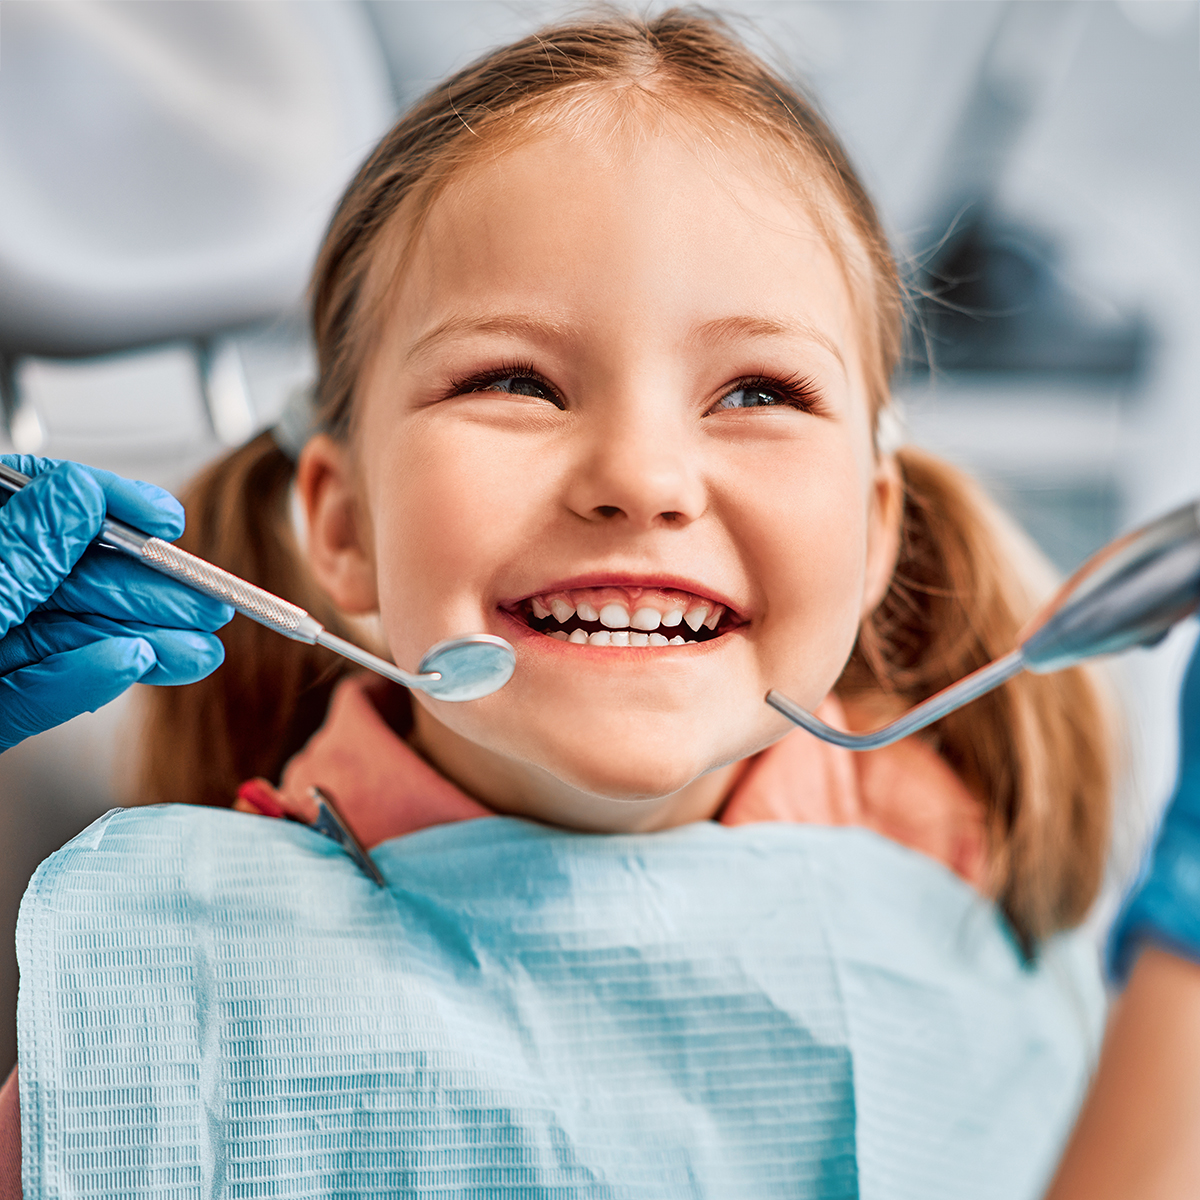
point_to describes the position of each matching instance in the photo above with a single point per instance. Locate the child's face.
(613, 386)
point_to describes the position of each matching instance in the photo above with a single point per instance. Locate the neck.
(521, 789)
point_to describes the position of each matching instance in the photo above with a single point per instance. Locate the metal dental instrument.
(1128, 594)
(463, 668)
(333, 825)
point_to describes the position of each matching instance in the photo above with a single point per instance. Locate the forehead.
(638, 227)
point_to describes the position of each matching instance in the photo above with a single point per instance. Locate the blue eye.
(752, 396)
(520, 385)
(797, 393)
(512, 379)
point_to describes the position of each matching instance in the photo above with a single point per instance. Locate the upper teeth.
(615, 616)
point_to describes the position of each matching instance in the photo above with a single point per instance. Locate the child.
(605, 328)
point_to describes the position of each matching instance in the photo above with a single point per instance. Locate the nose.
(637, 466)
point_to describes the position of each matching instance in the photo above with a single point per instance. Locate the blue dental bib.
(222, 1005)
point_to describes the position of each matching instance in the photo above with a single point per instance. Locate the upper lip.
(599, 579)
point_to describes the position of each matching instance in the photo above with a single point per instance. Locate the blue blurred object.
(762, 1011)
(79, 625)
(1164, 906)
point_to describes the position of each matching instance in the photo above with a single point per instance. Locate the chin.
(630, 770)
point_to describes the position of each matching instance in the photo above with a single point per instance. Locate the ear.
(883, 530)
(339, 547)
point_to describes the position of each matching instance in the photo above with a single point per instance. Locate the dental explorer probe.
(463, 668)
(1129, 594)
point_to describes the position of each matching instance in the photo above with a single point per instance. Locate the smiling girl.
(605, 328)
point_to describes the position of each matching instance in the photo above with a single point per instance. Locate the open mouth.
(626, 616)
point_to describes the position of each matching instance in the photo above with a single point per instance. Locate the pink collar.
(384, 789)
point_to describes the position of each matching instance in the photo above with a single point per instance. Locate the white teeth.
(614, 616)
(646, 618)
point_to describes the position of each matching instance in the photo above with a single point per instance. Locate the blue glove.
(1164, 906)
(79, 623)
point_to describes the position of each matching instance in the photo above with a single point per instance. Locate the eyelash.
(796, 391)
(504, 370)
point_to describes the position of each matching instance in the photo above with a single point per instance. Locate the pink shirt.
(384, 789)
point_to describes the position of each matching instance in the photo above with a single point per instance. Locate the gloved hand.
(1164, 906)
(78, 623)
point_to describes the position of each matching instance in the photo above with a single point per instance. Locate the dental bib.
(214, 1004)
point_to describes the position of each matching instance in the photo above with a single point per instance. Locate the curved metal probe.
(1128, 594)
(969, 688)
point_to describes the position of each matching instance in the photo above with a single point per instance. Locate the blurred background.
(167, 167)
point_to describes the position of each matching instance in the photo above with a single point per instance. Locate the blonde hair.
(1035, 752)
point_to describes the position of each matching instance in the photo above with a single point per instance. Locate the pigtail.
(1036, 752)
(269, 696)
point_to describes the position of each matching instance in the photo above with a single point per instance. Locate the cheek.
(450, 503)
(807, 533)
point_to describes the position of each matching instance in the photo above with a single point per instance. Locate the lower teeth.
(617, 637)
(579, 635)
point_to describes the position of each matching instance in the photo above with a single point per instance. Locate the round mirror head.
(470, 667)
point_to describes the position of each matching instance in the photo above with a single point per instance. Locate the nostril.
(608, 510)
(671, 516)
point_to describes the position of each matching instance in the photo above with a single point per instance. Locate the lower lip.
(517, 630)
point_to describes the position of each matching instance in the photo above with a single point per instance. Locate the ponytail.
(269, 696)
(1036, 752)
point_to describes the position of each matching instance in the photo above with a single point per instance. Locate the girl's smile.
(627, 612)
(616, 414)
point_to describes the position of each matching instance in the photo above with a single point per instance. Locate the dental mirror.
(1129, 594)
(469, 667)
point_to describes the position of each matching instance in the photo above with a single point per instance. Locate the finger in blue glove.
(46, 558)
(142, 505)
(65, 685)
(180, 655)
(1164, 905)
(44, 530)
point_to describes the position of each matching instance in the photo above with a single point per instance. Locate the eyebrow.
(729, 328)
(541, 328)
(537, 329)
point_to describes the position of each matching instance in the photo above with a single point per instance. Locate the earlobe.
(883, 533)
(338, 543)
